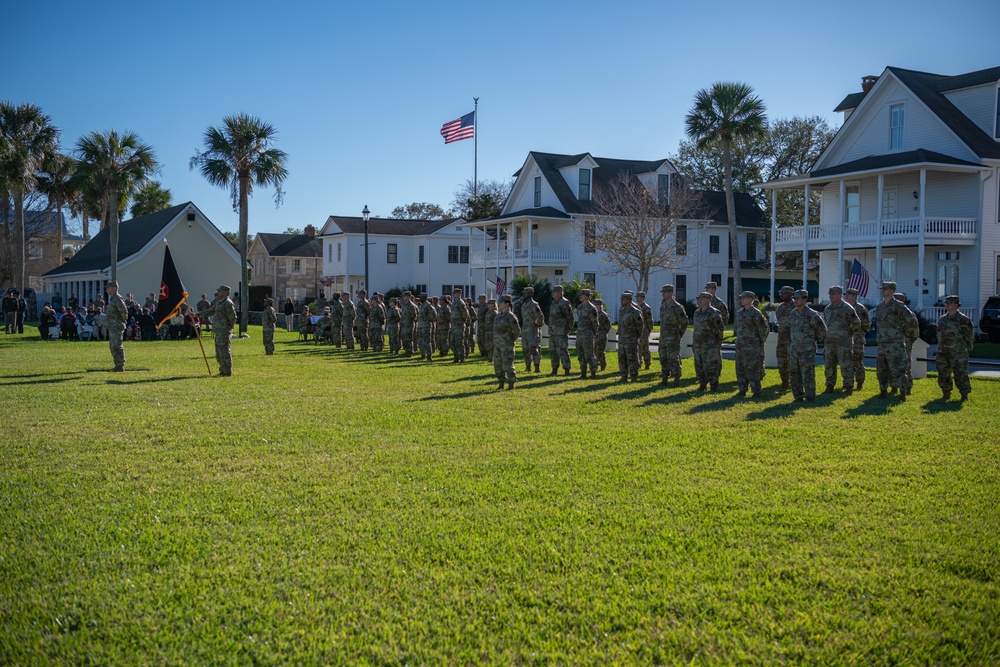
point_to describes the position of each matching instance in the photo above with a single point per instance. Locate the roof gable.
(290, 245)
(385, 226)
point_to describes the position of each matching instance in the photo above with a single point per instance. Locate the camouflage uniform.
(459, 321)
(531, 331)
(392, 327)
(782, 312)
(723, 309)
(426, 318)
(269, 320)
(115, 322)
(324, 328)
(505, 332)
(363, 311)
(858, 345)
(223, 312)
(337, 321)
(647, 330)
(470, 329)
(910, 335)
(955, 337)
(629, 331)
(892, 320)
(603, 331)
(442, 327)
(491, 314)
(560, 324)
(481, 309)
(347, 322)
(586, 332)
(707, 345)
(751, 333)
(407, 326)
(842, 325)
(673, 324)
(376, 324)
(807, 330)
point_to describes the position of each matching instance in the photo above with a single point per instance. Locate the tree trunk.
(86, 225)
(244, 273)
(19, 236)
(59, 231)
(113, 231)
(734, 244)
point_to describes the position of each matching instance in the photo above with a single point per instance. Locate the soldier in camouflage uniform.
(505, 332)
(470, 329)
(481, 308)
(324, 326)
(910, 335)
(955, 333)
(407, 323)
(491, 313)
(629, 332)
(223, 312)
(892, 319)
(115, 323)
(560, 324)
(781, 313)
(392, 325)
(376, 323)
(842, 325)
(718, 303)
(858, 340)
(673, 324)
(531, 330)
(707, 342)
(362, 313)
(647, 328)
(603, 331)
(337, 319)
(807, 331)
(751, 333)
(442, 325)
(348, 318)
(586, 333)
(269, 320)
(426, 318)
(460, 318)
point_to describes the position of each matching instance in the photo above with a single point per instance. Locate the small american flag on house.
(500, 285)
(460, 128)
(859, 279)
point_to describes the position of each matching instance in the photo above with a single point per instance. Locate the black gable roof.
(291, 245)
(713, 207)
(392, 226)
(891, 160)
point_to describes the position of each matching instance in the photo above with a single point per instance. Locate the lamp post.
(364, 214)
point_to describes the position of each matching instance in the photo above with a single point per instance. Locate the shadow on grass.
(39, 378)
(939, 405)
(485, 389)
(157, 380)
(873, 405)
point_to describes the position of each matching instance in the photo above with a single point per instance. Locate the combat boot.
(742, 393)
(566, 371)
(861, 385)
(623, 380)
(702, 386)
(883, 394)
(946, 395)
(785, 385)
(583, 374)
(677, 382)
(965, 395)
(848, 391)
(593, 374)
(538, 369)
(756, 394)
(664, 381)
(604, 365)
(829, 389)
(715, 386)
(118, 369)
(555, 370)
(902, 397)
(501, 383)
(647, 365)
(510, 385)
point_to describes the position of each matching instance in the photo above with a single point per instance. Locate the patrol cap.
(800, 294)
(506, 299)
(114, 283)
(667, 288)
(953, 298)
(557, 288)
(493, 301)
(224, 288)
(376, 294)
(747, 294)
(788, 288)
(457, 290)
(585, 292)
(851, 290)
(836, 289)
(529, 290)
(642, 294)
(598, 302)
(407, 293)
(626, 296)
(423, 295)
(888, 284)
(899, 296)
(711, 285)
(703, 295)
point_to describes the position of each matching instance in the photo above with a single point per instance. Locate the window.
(420, 259)
(453, 254)
(421, 288)
(390, 253)
(329, 252)
(339, 254)
(751, 247)
(713, 244)
(852, 202)
(296, 266)
(889, 204)
(584, 193)
(947, 279)
(716, 278)
(889, 268)
(589, 236)
(468, 291)
(681, 287)
(517, 237)
(663, 189)
(947, 256)
(463, 254)
(590, 279)
(896, 118)
(35, 250)
(538, 191)
(682, 240)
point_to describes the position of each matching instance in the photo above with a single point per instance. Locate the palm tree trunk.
(113, 231)
(59, 231)
(19, 235)
(734, 245)
(244, 230)
(86, 225)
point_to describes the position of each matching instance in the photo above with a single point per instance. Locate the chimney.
(867, 82)
(310, 231)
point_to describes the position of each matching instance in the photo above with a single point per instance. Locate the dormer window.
(538, 191)
(584, 194)
(896, 118)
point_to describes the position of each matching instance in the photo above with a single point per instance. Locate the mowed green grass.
(333, 507)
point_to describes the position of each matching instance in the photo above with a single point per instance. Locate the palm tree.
(56, 182)
(721, 114)
(237, 156)
(150, 198)
(115, 164)
(27, 138)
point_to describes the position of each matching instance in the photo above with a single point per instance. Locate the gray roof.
(891, 160)
(291, 245)
(392, 226)
(43, 223)
(133, 235)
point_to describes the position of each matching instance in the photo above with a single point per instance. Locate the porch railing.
(932, 313)
(519, 256)
(934, 228)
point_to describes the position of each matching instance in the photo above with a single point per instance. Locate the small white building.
(431, 255)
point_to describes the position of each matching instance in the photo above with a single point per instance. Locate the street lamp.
(364, 214)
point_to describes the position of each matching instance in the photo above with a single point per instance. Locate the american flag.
(501, 285)
(859, 279)
(460, 128)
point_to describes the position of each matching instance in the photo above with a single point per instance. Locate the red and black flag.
(172, 292)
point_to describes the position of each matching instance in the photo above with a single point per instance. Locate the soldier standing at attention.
(392, 325)
(891, 319)
(858, 340)
(363, 311)
(910, 336)
(647, 328)
(407, 323)
(491, 314)
(842, 325)
(426, 317)
(560, 324)
(481, 308)
(531, 330)
(751, 333)
(376, 323)
(337, 319)
(718, 303)
(707, 342)
(223, 312)
(505, 332)
(603, 331)
(956, 333)
(442, 325)
(269, 319)
(807, 331)
(781, 313)
(629, 331)
(459, 320)
(115, 323)
(586, 333)
(470, 329)
(673, 324)
(350, 313)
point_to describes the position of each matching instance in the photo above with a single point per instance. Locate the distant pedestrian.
(488, 319)
(629, 332)
(603, 331)
(459, 321)
(531, 329)
(892, 319)
(717, 303)
(647, 329)
(289, 312)
(781, 313)
(348, 320)
(223, 312)
(362, 311)
(407, 323)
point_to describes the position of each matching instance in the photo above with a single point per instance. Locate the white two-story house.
(910, 189)
(539, 230)
(431, 255)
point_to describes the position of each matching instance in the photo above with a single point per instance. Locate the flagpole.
(475, 150)
(197, 331)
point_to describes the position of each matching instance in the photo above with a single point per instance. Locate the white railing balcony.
(519, 257)
(896, 231)
(932, 313)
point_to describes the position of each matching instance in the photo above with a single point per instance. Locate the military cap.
(269, 301)
(585, 292)
(836, 289)
(747, 294)
(376, 294)
(457, 290)
(627, 296)
(800, 294)
(492, 301)
(899, 296)
(224, 288)
(112, 283)
(642, 294)
(628, 291)
(851, 290)
(407, 293)
(598, 302)
(788, 288)
(703, 295)
(557, 288)
(506, 299)
(888, 284)
(953, 298)
(711, 285)
(529, 288)
(667, 288)
(423, 295)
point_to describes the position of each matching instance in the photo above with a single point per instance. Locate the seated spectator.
(147, 326)
(191, 323)
(46, 321)
(100, 331)
(176, 329)
(67, 326)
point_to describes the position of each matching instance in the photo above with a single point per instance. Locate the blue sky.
(359, 90)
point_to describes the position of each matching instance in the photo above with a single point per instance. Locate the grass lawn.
(333, 507)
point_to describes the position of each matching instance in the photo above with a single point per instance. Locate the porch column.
(529, 247)
(498, 258)
(470, 260)
(843, 223)
(878, 232)
(774, 238)
(512, 247)
(485, 284)
(921, 243)
(805, 242)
